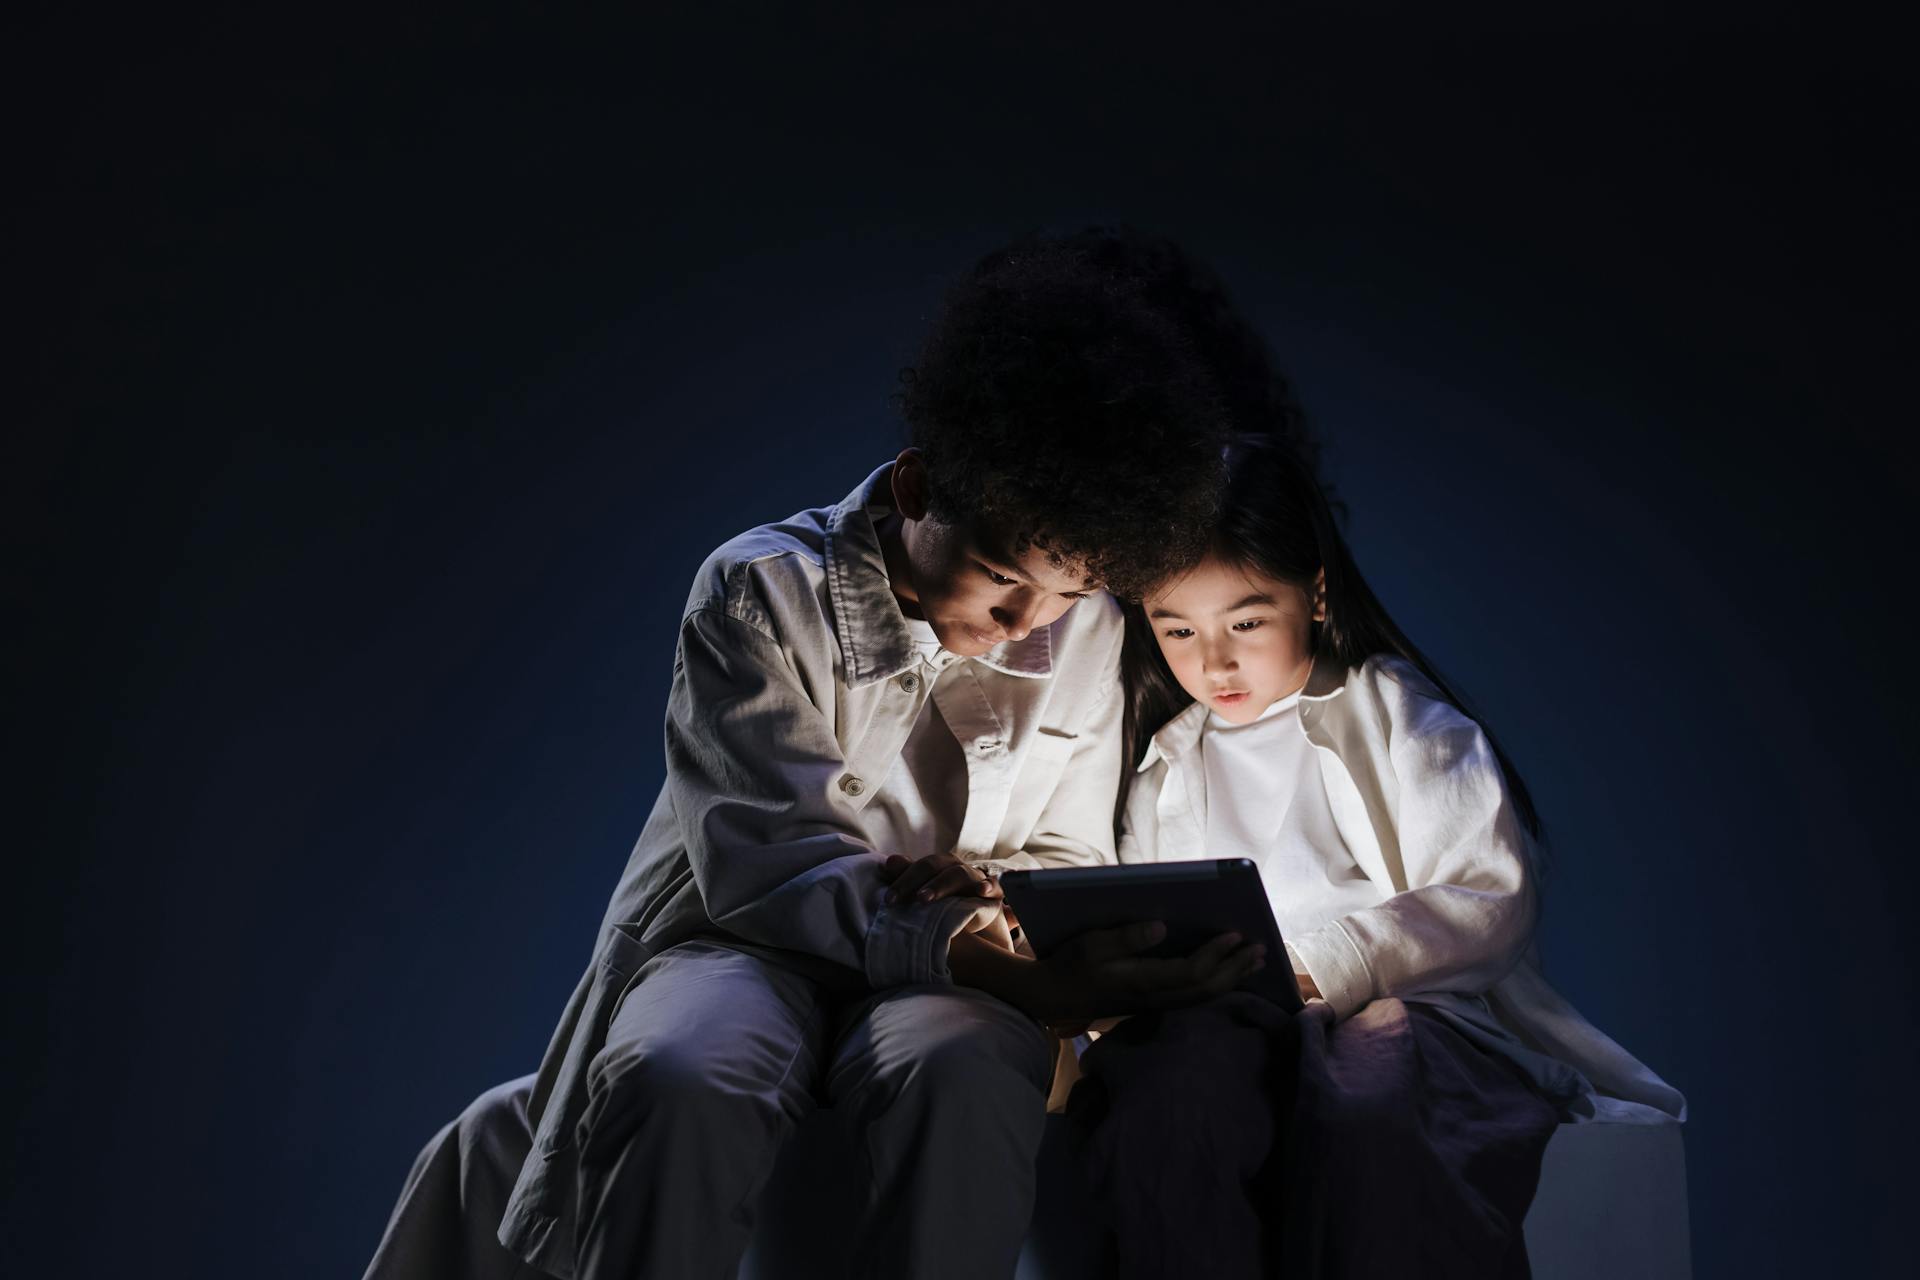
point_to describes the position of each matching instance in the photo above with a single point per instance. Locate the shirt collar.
(1178, 736)
(874, 640)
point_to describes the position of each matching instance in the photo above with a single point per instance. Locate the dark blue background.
(385, 384)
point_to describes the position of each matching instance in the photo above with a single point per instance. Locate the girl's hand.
(1307, 990)
(943, 875)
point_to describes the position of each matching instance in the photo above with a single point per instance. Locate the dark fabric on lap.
(1234, 1140)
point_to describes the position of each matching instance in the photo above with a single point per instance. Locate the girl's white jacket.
(1419, 797)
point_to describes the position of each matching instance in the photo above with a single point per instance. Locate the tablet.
(1197, 901)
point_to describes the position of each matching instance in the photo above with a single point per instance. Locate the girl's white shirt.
(1421, 806)
(1266, 803)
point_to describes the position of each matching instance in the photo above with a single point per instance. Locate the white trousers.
(711, 1060)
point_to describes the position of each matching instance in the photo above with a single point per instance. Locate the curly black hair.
(1076, 394)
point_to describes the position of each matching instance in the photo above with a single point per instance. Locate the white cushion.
(1612, 1202)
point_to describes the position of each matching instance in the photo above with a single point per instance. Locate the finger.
(1180, 972)
(976, 883)
(1099, 946)
(1197, 993)
(1223, 956)
(1178, 979)
(957, 882)
(1223, 972)
(890, 869)
(916, 875)
(1212, 951)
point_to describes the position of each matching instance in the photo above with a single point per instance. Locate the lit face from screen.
(972, 590)
(1235, 639)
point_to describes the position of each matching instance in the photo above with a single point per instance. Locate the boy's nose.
(1014, 623)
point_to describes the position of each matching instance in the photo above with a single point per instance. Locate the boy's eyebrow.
(995, 554)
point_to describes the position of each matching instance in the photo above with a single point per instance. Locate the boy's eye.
(999, 579)
(1178, 633)
(1249, 624)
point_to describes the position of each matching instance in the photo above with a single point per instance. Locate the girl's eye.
(1178, 633)
(1249, 624)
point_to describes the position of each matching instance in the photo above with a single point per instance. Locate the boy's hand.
(1100, 974)
(942, 875)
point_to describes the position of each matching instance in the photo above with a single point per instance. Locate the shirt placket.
(982, 737)
(1181, 808)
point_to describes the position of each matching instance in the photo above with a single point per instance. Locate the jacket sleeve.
(1467, 910)
(1075, 827)
(756, 777)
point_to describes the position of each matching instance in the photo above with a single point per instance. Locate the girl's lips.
(1230, 698)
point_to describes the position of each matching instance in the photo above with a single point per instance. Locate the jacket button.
(852, 785)
(909, 682)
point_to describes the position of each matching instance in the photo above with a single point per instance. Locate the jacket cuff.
(1336, 966)
(907, 941)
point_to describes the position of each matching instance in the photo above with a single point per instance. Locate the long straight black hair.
(1274, 518)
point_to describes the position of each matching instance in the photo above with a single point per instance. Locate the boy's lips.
(983, 641)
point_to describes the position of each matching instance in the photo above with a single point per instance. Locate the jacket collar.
(874, 640)
(1327, 680)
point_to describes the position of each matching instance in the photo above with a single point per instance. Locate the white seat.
(1612, 1202)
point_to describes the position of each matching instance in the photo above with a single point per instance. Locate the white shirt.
(1422, 807)
(923, 798)
(1267, 803)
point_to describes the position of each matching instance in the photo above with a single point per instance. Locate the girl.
(1396, 1126)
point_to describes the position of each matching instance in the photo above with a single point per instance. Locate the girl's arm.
(1467, 911)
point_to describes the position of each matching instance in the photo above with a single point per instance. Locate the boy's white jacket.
(1419, 797)
(795, 685)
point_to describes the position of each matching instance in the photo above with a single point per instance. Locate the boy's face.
(1234, 638)
(965, 583)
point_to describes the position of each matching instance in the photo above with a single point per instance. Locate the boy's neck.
(891, 529)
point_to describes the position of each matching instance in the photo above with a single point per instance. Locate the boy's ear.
(910, 485)
(1320, 596)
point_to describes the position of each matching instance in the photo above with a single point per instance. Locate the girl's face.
(1234, 638)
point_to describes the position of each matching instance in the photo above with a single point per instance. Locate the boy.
(927, 673)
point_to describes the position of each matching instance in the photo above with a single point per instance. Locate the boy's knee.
(980, 1066)
(979, 1071)
(635, 1084)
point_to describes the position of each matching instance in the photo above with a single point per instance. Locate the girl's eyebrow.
(1244, 602)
